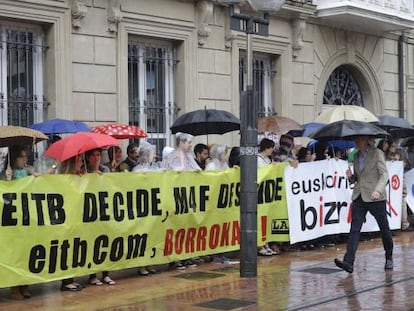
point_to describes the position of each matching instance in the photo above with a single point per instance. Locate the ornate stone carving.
(205, 9)
(298, 29)
(229, 38)
(79, 11)
(229, 35)
(114, 14)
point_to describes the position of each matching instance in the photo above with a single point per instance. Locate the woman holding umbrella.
(18, 163)
(16, 137)
(93, 162)
(17, 169)
(73, 166)
(93, 165)
(68, 150)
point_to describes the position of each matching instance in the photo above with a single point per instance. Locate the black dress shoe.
(344, 265)
(388, 264)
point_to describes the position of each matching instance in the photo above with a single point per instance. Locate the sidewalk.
(305, 280)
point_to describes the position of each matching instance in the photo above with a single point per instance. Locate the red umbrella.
(120, 131)
(78, 143)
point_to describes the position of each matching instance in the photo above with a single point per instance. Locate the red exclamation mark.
(264, 227)
(350, 213)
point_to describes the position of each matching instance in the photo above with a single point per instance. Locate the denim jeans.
(359, 211)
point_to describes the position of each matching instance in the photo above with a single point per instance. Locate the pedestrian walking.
(370, 177)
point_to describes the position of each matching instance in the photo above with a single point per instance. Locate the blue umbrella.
(60, 126)
(311, 127)
(342, 144)
(307, 129)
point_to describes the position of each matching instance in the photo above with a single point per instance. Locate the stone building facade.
(147, 62)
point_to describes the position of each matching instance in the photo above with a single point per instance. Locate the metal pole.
(248, 169)
(401, 103)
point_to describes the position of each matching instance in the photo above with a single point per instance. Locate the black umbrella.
(397, 127)
(391, 122)
(206, 121)
(407, 142)
(347, 130)
(401, 132)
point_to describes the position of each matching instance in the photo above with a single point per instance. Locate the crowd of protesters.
(139, 158)
(142, 158)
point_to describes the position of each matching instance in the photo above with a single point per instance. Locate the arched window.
(342, 89)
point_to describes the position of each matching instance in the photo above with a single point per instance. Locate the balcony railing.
(394, 7)
(302, 1)
(375, 15)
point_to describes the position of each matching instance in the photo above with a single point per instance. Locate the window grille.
(151, 90)
(301, 2)
(263, 74)
(342, 89)
(22, 52)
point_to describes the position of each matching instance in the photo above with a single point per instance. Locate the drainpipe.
(401, 105)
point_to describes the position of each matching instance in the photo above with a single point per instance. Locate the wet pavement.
(302, 280)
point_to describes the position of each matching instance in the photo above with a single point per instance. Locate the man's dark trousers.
(359, 211)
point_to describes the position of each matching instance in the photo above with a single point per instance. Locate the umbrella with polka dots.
(120, 131)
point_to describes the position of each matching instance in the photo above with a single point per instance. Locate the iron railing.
(22, 77)
(262, 70)
(151, 90)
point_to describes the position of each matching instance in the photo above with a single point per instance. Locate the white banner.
(409, 183)
(319, 199)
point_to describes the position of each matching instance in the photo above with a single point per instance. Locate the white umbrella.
(346, 112)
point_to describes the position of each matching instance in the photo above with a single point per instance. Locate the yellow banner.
(60, 226)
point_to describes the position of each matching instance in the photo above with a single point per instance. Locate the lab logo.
(280, 226)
